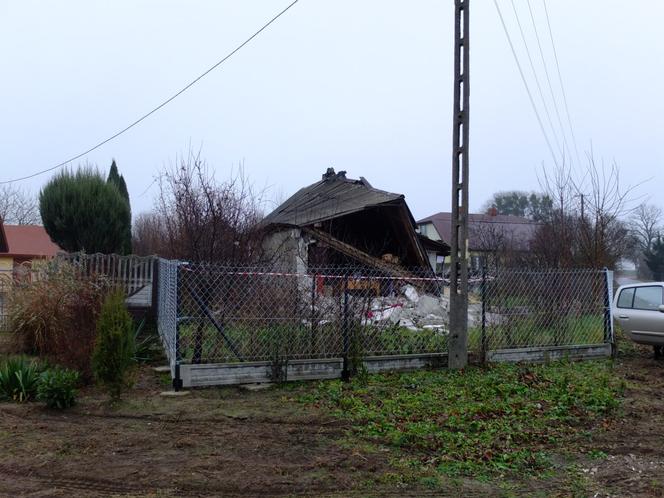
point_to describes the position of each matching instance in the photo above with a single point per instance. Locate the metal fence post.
(177, 379)
(345, 373)
(484, 293)
(608, 312)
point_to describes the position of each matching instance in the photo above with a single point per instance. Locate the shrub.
(55, 316)
(57, 388)
(114, 350)
(19, 379)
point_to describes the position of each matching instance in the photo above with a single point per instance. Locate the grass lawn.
(563, 429)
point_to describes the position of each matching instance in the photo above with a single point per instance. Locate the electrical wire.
(525, 83)
(548, 79)
(537, 83)
(560, 79)
(164, 103)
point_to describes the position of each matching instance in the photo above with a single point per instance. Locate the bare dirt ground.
(229, 442)
(634, 442)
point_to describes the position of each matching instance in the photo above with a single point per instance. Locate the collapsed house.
(340, 221)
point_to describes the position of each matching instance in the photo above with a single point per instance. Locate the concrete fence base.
(550, 353)
(217, 374)
(251, 372)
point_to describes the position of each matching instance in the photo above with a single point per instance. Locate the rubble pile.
(407, 308)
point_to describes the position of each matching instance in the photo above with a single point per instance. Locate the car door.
(638, 311)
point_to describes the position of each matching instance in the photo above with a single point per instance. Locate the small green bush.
(19, 379)
(57, 388)
(113, 357)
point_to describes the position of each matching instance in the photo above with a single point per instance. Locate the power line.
(164, 103)
(537, 83)
(548, 79)
(525, 83)
(560, 78)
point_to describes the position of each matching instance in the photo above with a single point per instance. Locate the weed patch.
(501, 420)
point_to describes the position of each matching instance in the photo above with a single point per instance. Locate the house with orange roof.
(23, 245)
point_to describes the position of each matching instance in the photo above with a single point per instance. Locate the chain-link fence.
(221, 315)
(539, 308)
(238, 314)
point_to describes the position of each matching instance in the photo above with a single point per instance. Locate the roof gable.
(332, 197)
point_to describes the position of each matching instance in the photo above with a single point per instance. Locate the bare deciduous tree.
(646, 224)
(200, 220)
(197, 218)
(18, 206)
(149, 235)
(585, 228)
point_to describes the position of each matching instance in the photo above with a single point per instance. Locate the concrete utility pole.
(458, 339)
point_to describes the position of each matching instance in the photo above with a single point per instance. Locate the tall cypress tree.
(115, 178)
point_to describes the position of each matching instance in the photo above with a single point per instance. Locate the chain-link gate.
(167, 311)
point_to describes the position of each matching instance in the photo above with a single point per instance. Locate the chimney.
(329, 174)
(492, 211)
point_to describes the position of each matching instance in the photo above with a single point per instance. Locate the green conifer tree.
(115, 178)
(113, 356)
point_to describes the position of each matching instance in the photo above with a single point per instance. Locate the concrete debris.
(408, 308)
(429, 305)
(410, 293)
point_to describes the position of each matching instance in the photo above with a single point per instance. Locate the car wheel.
(659, 352)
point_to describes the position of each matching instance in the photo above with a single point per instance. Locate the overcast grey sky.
(360, 85)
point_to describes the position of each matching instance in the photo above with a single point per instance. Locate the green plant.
(57, 388)
(492, 421)
(19, 379)
(83, 212)
(113, 356)
(147, 347)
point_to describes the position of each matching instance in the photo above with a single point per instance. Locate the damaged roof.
(333, 196)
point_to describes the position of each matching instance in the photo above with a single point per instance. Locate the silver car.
(639, 309)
